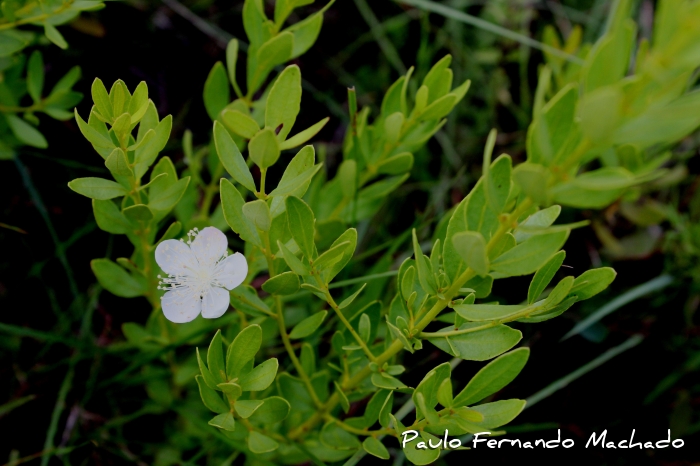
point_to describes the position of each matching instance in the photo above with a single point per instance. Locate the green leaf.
(308, 326)
(444, 393)
(532, 179)
(274, 409)
(423, 455)
(303, 136)
(306, 32)
(97, 188)
(301, 225)
(470, 245)
(397, 334)
(592, 282)
(348, 301)
(308, 358)
(10, 41)
(215, 358)
(210, 398)
(283, 284)
(334, 436)
(540, 219)
(25, 132)
(384, 380)
(481, 345)
(109, 218)
(425, 272)
(493, 377)
(259, 443)
(486, 312)
(243, 349)
(224, 421)
(240, 123)
(272, 53)
(217, 93)
(374, 447)
(344, 403)
(264, 148)
(54, 36)
(499, 413)
(232, 203)
(292, 261)
(98, 140)
(35, 75)
(549, 133)
(118, 164)
(118, 281)
(139, 215)
(207, 376)
(347, 176)
(166, 200)
(231, 59)
(429, 386)
(330, 257)
(260, 377)
(530, 255)
(544, 276)
(287, 187)
(231, 158)
(258, 213)
(246, 408)
(283, 101)
(396, 164)
(348, 236)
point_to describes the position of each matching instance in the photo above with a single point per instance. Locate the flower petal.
(215, 302)
(176, 258)
(209, 245)
(231, 271)
(181, 306)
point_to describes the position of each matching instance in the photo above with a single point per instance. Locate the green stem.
(396, 346)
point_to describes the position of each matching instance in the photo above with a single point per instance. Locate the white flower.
(199, 274)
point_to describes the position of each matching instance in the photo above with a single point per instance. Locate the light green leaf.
(283, 284)
(374, 447)
(272, 53)
(217, 94)
(118, 164)
(264, 148)
(224, 421)
(396, 164)
(347, 176)
(540, 219)
(97, 188)
(301, 225)
(259, 443)
(344, 403)
(530, 255)
(292, 261)
(232, 203)
(274, 409)
(384, 380)
(54, 36)
(25, 132)
(240, 123)
(330, 257)
(243, 349)
(544, 275)
(478, 346)
(258, 213)
(282, 106)
(109, 218)
(493, 377)
(287, 187)
(486, 312)
(246, 408)
(499, 413)
(210, 398)
(303, 136)
(470, 245)
(215, 358)
(118, 281)
(592, 282)
(308, 326)
(231, 158)
(35, 75)
(334, 436)
(260, 377)
(348, 301)
(424, 269)
(349, 236)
